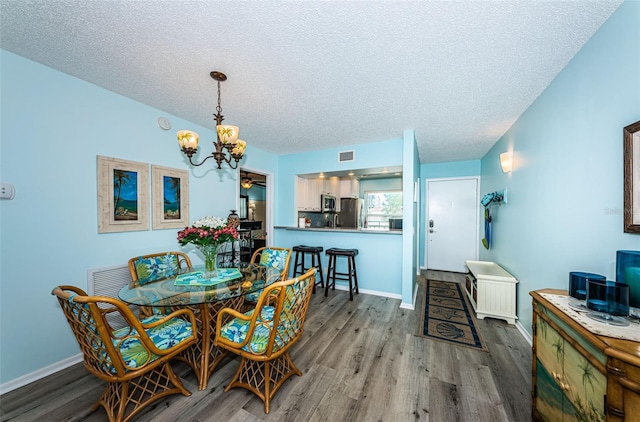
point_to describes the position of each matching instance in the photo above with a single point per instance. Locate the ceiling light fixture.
(246, 182)
(227, 137)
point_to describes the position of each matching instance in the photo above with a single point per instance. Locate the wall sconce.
(506, 161)
(227, 137)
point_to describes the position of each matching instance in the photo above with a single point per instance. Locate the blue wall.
(256, 193)
(52, 128)
(565, 192)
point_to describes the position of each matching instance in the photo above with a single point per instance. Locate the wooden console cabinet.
(491, 291)
(578, 375)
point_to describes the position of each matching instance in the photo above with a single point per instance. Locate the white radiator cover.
(108, 281)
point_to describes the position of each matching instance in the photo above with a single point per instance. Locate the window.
(381, 206)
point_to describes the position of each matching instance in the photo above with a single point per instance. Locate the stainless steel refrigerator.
(351, 213)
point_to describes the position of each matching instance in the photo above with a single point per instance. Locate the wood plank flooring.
(361, 361)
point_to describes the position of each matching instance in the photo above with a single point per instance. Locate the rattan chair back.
(130, 388)
(257, 254)
(182, 259)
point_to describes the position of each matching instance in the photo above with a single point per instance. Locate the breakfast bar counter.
(379, 260)
(339, 230)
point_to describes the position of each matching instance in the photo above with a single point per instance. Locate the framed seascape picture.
(123, 195)
(632, 178)
(170, 190)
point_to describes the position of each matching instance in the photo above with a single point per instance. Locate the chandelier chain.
(219, 108)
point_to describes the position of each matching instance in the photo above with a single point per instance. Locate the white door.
(451, 223)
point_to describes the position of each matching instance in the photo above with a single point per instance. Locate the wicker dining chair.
(157, 266)
(134, 359)
(272, 257)
(262, 336)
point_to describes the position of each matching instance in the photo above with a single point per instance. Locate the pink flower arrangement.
(207, 231)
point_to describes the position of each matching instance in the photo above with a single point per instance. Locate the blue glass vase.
(608, 297)
(578, 283)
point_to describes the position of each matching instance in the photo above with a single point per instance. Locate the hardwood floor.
(361, 361)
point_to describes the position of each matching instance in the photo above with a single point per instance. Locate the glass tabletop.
(190, 289)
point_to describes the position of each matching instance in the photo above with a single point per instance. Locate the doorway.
(451, 228)
(254, 204)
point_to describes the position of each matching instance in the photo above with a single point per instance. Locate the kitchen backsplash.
(318, 219)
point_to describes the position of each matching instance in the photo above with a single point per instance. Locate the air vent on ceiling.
(344, 156)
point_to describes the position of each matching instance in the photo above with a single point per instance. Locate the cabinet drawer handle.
(630, 385)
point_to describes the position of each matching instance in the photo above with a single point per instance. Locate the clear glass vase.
(210, 253)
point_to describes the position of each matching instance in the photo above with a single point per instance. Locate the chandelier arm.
(201, 162)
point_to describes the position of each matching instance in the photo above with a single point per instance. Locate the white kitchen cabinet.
(350, 188)
(302, 188)
(313, 199)
(308, 194)
(332, 187)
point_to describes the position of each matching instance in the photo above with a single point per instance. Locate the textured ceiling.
(312, 75)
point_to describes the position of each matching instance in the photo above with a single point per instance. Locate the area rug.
(448, 316)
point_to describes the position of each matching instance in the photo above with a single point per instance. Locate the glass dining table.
(205, 297)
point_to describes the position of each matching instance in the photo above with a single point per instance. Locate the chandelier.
(227, 138)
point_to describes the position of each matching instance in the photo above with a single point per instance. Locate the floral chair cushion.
(254, 296)
(274, 258)
(163, 336)
(236, 331)
(156, 268)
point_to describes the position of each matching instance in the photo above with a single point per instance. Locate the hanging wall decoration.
(123, 195)
(632, 178)
(493, 198)
(170, 188)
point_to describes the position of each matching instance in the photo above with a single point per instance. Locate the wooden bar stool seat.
(351, 275)
(300, 267)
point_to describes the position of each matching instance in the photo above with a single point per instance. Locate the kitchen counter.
(339, 230)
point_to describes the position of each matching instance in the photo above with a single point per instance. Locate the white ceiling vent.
(344, 156)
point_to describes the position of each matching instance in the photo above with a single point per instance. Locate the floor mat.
(448, 317)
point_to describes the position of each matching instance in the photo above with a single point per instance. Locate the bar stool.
(299, 266)
(351, 275)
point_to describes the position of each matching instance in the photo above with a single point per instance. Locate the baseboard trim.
(524, 333)
(411, 306)
(345, 287)
(40, 373)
